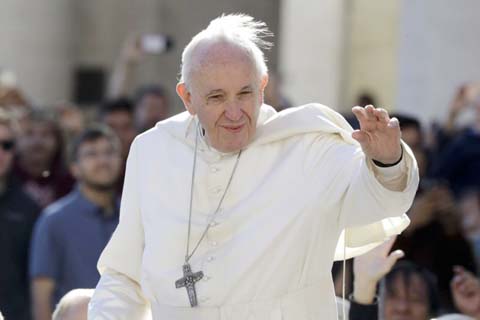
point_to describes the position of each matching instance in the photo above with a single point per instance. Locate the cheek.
(209, 119)
(420, 310)
(117, 164)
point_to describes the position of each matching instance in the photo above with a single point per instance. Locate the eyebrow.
(217, 91)
(247, 87)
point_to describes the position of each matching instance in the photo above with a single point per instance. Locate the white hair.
(240, 30)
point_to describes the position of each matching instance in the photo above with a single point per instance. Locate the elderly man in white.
(232, 211)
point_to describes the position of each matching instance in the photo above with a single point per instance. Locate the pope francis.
(232, 211)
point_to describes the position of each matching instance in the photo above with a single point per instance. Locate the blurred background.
(409, 55)
(65, 64)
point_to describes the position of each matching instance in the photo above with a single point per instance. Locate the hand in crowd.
(132, 52)
(466, 292)
(436, 203)
(423, 211)
(379, 135)
(370, 268)
(465, 95)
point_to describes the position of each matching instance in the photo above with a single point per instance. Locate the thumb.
(392, 259)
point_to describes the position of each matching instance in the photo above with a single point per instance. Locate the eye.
(245, 94)
(215, 98)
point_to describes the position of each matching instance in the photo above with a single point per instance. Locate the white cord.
(343, 275)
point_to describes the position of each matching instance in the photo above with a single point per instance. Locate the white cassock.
(298, 184)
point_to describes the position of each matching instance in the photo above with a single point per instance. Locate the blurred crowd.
(61, 174)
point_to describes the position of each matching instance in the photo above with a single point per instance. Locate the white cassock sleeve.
(118, 294)
(383, 194)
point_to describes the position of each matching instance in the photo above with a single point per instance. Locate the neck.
(102, 198)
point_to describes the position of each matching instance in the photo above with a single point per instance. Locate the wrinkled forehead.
(217, 53)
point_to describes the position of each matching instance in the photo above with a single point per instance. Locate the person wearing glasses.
(18, 213)
(72, 232)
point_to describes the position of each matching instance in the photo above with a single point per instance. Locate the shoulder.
(21, 201)
(174, 126)
(59, 211)
(164, 135)
(307, 120)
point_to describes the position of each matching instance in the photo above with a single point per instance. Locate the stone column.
(36, 43)
(311, 50)
(438, 51)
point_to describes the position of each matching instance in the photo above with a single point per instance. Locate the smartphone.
(155, 43)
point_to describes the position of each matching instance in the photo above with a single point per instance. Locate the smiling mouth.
(234, 129)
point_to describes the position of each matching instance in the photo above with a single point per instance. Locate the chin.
(233, 146)
(102, 186)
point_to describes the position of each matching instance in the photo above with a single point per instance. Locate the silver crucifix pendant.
(188, 281)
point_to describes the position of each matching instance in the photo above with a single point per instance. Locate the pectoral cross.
(188, 281)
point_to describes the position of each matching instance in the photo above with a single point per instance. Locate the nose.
(233, 112)
(401, 305)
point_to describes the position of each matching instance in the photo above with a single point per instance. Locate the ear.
(264, 82)
(263, 85)
(75, 170)
(186, 97)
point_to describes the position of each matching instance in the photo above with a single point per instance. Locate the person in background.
(412, 132)
(151, 102)
(368, 270)
(72, 121)
(18, 213)
(434, 239)
(274, 95)
(40, 165)
(151, 106)
(406, 291)
(72, 232)
(458, 162)
(118, 115)
(469, 205)
(363, 99)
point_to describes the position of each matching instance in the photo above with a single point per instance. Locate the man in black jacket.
(17, 216)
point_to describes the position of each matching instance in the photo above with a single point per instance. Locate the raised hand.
(379, 135)
(370, 267)
(466, 292)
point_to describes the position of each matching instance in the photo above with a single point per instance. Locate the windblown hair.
(236, 29)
